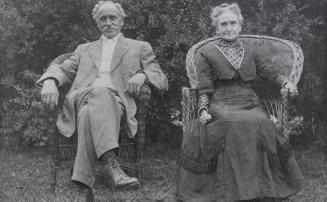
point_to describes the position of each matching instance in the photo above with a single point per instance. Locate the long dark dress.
(256, 160)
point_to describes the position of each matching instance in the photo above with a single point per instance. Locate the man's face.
(228, 26)
(109, 20)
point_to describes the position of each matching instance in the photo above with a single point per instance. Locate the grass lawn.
(24, 177)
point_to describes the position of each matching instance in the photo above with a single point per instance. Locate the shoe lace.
(116, 168)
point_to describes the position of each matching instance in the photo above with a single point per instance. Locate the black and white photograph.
(163, 101)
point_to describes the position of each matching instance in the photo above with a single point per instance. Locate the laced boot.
(119, 179)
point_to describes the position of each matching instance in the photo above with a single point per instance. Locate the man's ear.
(96, 20)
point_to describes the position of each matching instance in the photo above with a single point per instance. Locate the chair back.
(285, 55)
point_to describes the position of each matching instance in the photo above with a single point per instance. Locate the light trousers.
(100, 111)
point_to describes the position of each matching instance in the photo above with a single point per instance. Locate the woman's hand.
(291, 89)
(205, 117)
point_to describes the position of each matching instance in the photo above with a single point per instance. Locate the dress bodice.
(220, 60)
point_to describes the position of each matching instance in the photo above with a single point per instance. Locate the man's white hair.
(101, 3)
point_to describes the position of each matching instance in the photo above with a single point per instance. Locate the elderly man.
(106, 75)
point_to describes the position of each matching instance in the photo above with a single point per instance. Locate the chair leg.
(55, 162)
(53, 179)
(140, 174)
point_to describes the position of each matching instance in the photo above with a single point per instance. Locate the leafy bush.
(25, 121)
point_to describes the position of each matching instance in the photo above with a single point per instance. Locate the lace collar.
(236, 44)
(233, 51)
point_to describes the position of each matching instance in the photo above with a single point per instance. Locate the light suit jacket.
(130, 56)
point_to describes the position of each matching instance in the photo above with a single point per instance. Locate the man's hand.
(205, 117)
(135, 83)
(49, 93)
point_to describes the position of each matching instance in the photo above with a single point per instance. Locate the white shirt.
(103, 78)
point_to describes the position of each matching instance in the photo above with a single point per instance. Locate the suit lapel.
(96, 53)
(120, 50)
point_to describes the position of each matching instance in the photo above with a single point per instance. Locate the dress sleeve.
(206, 76)
(266, 70)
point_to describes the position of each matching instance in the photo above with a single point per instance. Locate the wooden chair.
(287, 56)
(130, 153)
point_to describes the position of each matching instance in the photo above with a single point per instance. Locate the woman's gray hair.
(101, 3)
(225, 7)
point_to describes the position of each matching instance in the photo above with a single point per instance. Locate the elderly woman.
(252, 159)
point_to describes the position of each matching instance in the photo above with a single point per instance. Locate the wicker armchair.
(287, 56)
(130, 153)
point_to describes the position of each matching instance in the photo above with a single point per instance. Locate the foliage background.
(34, 32)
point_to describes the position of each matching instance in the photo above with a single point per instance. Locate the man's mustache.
(110, 27)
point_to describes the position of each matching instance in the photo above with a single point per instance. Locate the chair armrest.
(285, 97)
(142, 103)
(280, 108)
(145, 94)
(190, 105)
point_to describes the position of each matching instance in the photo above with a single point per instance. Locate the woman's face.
(228, 26)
